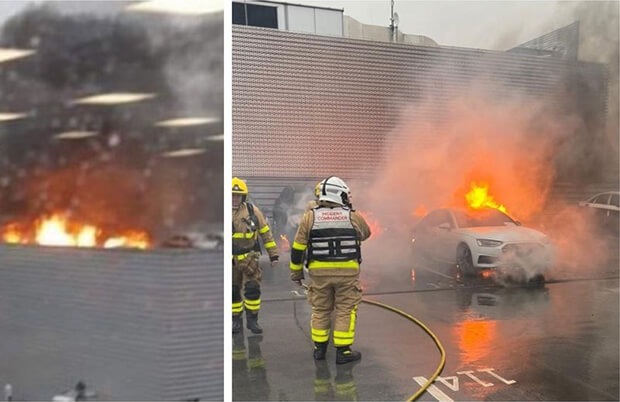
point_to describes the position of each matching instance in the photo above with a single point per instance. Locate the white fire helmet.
(334, 189)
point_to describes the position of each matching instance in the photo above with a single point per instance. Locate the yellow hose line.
(426, 329)
(429, 332)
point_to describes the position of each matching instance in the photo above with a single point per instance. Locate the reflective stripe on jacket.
(247, 227)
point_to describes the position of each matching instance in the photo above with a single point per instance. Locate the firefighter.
(313, 203)
(248, 222)
(330, 235)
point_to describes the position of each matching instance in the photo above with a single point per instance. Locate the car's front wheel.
(536, 281)
(464, 261)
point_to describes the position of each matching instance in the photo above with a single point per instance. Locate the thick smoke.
(600, 42)
(521, 147)
(511, 144)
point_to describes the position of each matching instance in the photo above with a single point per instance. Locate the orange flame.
(132, 239)
(373, 224)
(479, 197)
(54, 231)
(57, 230)
(285, 245)
(487, 274)
(420, 211)
(12, 234)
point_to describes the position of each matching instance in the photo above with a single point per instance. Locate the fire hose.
(419, 323)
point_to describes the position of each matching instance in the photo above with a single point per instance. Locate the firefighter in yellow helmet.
(313, 203)
(330, 235)
(248, 223)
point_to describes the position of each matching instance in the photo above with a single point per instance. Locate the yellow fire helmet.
(317, 189)
(239, 186)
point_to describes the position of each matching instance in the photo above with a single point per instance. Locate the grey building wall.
(133, 325)
(306, 106)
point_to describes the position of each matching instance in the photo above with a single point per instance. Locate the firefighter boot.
(344, 355)
(320, 350)
(252, 322)
(237, 324)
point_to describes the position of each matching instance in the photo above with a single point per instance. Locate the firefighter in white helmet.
(248, 223)
(330, 235)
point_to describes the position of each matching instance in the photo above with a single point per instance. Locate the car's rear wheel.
(464, 261)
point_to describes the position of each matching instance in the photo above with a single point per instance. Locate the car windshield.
(487, 217)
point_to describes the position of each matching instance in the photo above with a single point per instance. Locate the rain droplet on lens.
(114, 140)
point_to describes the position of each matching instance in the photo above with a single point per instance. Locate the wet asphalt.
(555, 341)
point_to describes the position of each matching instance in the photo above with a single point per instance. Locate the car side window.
(601, 199)
(444, 217)
(430, 220)
(436, 218)
(422, 224)
(614, 201)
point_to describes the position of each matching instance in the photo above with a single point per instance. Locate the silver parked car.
(605, 209)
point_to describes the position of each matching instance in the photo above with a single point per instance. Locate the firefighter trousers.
(246, 276)
(341, 294)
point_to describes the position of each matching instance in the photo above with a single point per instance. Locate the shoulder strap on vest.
(254, 219)
(251, 213)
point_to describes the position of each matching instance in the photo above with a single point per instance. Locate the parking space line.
(470, 374)
(433, 390)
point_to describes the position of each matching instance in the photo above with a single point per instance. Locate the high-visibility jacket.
(248, 223)
(330, 236)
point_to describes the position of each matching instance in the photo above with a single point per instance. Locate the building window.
(255, 15)
(238, 11)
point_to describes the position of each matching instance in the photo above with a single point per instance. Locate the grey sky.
(478, 24)
(9, 8)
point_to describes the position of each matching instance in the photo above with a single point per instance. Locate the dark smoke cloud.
(600, 42)
(120, 175)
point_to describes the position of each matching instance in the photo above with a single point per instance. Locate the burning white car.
(480, 240)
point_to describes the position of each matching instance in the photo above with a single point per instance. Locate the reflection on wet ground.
(557, 341)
